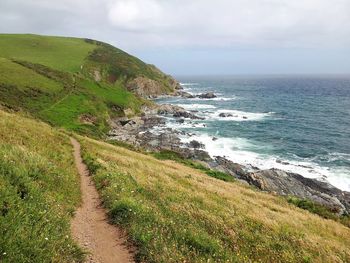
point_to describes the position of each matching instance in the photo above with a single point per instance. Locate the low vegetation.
(319, 209)
(170, 155)
(174, 213)
(74, 83)
(39, 192)
(59, 53)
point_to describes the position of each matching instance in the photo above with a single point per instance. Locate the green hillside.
(78, 84)
(65, 54)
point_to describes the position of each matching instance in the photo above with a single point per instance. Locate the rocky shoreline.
(150, 132)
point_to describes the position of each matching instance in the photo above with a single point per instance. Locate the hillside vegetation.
(39, 191)
(174, 213)
(78, 84)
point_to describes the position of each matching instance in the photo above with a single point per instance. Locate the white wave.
(213, 99)
(189, 84)
(237, 150)
(196, 106)
(339, 156)
(239, 115)
(185, 125)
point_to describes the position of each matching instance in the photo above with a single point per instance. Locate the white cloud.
(136, 14)
(191, 23)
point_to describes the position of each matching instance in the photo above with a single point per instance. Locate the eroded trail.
(90, 227)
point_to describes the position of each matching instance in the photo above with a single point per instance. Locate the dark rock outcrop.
(195, 144)
(208, 95)
(224, 115)
(187, 115)
(288, 184)
(284, 183)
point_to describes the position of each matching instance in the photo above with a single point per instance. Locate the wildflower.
(46, 238)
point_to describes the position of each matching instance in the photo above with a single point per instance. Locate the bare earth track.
(90, 227)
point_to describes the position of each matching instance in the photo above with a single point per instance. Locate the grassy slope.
(177, 214)
(64, 54)
(36, 75)
(39, 190)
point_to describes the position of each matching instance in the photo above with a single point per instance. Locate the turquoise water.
(298, 124)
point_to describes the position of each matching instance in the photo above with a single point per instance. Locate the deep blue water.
(299, 124)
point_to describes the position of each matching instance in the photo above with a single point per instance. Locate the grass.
(170, 155)
(319, 209)
(39, 191)
(117, 65)
(100, 101)
(64, 54)
(174, 213)
(13, 74)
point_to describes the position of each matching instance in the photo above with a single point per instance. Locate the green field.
(64, 54)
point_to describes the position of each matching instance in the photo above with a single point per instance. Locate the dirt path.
(90, 227)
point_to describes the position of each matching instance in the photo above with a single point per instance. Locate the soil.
(105, 243)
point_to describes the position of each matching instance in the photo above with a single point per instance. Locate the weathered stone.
(284, 183)
(195, 144)
(186, 114)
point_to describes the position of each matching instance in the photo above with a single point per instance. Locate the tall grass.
(174, 213)
(39, 191)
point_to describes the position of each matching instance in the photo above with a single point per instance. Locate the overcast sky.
(185, 37)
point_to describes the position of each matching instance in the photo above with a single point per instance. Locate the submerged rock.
(224, 115)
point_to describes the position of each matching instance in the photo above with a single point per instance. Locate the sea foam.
(237, 150)
(239, 115)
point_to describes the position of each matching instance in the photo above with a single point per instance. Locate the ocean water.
(297, 124)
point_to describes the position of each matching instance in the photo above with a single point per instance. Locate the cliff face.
(148, 88)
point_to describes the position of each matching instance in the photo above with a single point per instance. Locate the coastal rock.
(208, 95)
(284, 183)
(194, 154)
(187, 115)
(146, 88)
(195, 144)
(227, 166)
(164, 109)
(184, 94)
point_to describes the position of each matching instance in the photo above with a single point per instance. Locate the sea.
(299, 124)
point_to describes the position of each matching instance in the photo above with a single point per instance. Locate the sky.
(201, 37)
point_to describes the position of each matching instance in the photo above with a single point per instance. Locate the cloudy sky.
(185, 37)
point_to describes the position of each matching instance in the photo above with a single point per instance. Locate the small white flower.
(46, 238)
(4, 253)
